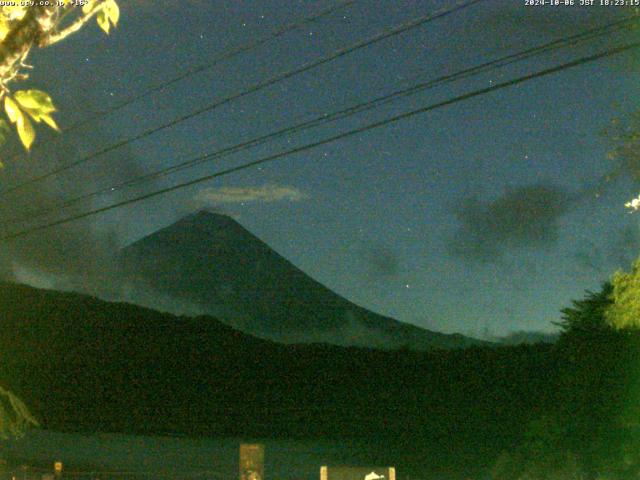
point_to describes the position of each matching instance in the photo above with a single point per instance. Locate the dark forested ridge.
(85, 364)
(155, 371)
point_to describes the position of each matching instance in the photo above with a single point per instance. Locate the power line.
(217, 60)
(349, 133)
(364, 106)
(355, 109)
(256, 87)
(225, 55)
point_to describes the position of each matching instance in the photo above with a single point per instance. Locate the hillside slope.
(212, 261)
(85, 364)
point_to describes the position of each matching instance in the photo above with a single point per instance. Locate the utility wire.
(376, 102)
(349, 133)
(326, 118)
(256, 87)
(225, 55)
(206, 66)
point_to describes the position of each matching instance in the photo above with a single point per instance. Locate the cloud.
(523, 217)
(526, 337)
(265, 194)
(77, 255)
(382, 262)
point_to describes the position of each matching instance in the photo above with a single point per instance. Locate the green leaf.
(87, 7)
(14, 415)
(113, 11)
(108, 15)
(38, 105)
(5, 27)
(103, 21)
(50, 121)
(12, 109)
(21, 410)
(35, 100)
(25, 131)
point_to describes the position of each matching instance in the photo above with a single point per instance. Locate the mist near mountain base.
(82, 255)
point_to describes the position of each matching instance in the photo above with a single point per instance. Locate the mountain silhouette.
(213, 262)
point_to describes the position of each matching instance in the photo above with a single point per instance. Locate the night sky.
(484, 217)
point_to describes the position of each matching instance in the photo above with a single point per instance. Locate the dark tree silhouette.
(587, 316)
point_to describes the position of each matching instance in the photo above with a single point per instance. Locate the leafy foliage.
(155, 372)
(625, 137)
(587, 315)
(23, 27)
(624, 312)
(526, 464)
(14, 415)
(590, 430)
(563, 405)
(108, 14)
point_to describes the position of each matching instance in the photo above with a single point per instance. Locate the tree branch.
(30, 30)
(17, 414)
(74, 27)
